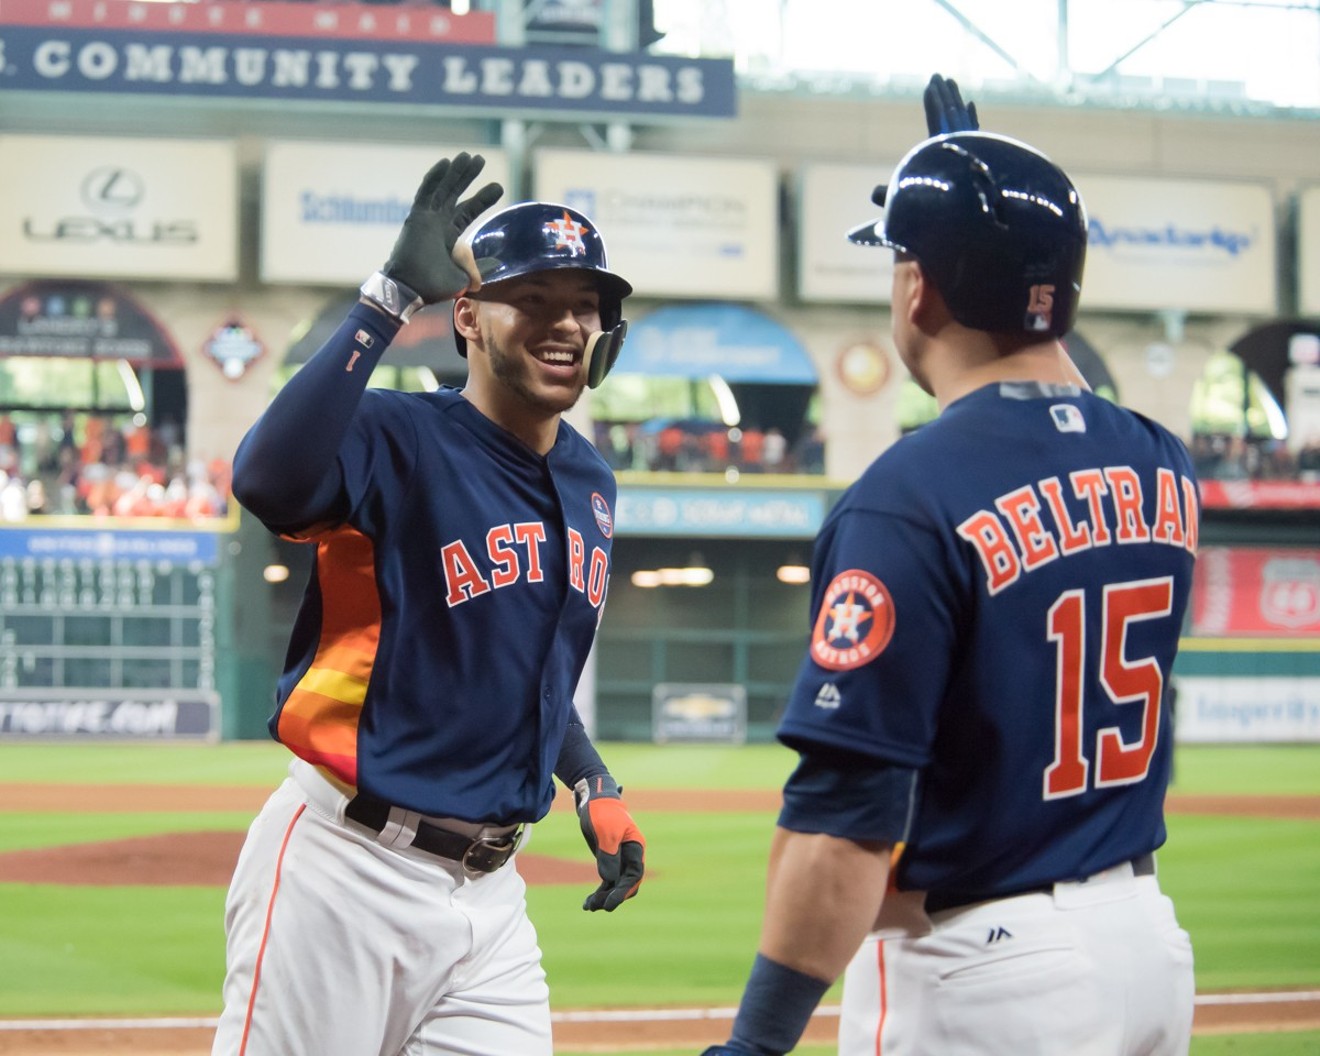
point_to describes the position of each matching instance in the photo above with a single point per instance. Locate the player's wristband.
(776, 1006)
(394, 298)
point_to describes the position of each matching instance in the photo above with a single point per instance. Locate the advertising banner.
(94, 207)
(1308, 251)
(84, 54)
(697, 340)
(1259, 495)
(330, 212)
(715, 513)
(675, 226)
(696, 712)
(832, 200)
(138, 714)
(1248, 710)
(1193, 245)
(1256, 591)
(270, 18)
(82, 320)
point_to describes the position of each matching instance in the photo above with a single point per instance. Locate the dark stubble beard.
(513, 371)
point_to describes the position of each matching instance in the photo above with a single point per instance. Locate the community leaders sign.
(100, 47)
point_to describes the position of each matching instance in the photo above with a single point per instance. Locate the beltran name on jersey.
(997, 603)
(450, 699)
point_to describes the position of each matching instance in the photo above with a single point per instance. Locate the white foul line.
(602, 1015)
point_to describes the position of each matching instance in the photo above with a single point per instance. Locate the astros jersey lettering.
(989, 535)
(423, 704)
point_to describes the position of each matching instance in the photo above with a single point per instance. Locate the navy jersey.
(997, 603)
(447, 621)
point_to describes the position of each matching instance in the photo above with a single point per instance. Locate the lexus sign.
(118, 208)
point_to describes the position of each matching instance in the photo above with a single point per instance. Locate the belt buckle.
(485, 854)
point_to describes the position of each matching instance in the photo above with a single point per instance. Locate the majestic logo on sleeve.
(855, 622)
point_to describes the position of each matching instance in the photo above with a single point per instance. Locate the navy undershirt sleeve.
(850, 796)
(285, 470)
(776, 1007)
(578, 757)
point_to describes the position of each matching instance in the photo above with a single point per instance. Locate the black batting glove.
(422, 258)
(945, 109)
(615, 840)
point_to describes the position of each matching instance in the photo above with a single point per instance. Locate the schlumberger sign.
(77, 47)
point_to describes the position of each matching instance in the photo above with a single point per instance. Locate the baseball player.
(996, 606)
(462, 555)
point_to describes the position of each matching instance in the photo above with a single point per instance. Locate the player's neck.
(974, 365)
(537, 431)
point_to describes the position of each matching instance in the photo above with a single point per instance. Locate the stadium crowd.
(95, 465)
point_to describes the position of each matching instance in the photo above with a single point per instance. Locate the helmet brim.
(873, 234)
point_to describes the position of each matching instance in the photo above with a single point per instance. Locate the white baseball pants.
(339, 946)
(1097, 968)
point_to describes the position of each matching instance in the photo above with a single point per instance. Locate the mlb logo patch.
(1067, 418)
(364, 339)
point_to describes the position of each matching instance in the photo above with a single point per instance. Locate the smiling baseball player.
(463, 544)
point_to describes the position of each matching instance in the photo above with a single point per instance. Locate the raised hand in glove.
(421, 269)
(945, 109)
(614, 839)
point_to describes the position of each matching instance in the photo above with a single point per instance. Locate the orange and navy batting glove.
(614, 838)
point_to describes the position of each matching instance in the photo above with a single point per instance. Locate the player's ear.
(465, 318)
(926, 307)
(909, 287)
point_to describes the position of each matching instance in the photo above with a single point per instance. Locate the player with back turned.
(996, 607)
(462, 555)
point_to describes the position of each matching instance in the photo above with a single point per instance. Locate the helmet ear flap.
(603, 348)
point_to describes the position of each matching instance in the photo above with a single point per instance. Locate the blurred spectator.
(809, 451)
(1308, 461)
(46, 456)
(717, 449)
(776, 447)
(700, 445)
(92, 449)
(36, 497)
(126, 475)
(13, 498)
(669, 445)
(753, 449)
(137, 442)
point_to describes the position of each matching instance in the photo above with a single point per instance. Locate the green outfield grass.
(1245, 769)
(1245, 887)
(1300, 1043)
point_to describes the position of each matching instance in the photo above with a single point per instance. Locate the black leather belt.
(481, 854)
(1143, 865)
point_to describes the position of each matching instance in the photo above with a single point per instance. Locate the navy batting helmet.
(541, 236)
(999, 228)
